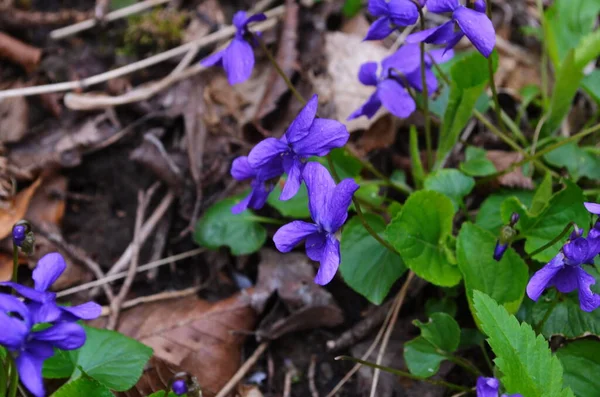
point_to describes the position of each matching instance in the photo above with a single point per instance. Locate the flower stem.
(552, 242)
(404, 374)
(466, 364)
(425, 92)
(14, 378)
(359, 212)
(486, 356)
(547, 149)
(544, 60)
(264, 219)
(3, 377)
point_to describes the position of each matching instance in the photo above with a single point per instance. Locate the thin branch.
(243, 370)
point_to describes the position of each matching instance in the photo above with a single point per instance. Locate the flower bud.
(514, 218)
(499, 250)
(179, 387)
(480, 6)
(19, 233)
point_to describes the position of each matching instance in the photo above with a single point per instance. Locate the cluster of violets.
(34, 325)
(309, 136)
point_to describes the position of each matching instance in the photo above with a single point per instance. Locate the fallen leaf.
(157, 376)
(381, 134)
(199, 337)
(502, 160)
(249, 391)
(17, 209)
(343, 64)
(18, 52)
(304, 304)
(6, 266)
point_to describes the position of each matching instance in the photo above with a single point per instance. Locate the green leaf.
(346, 165)
(369, 192)
(465, 89)
(163, 393)
(421, 232)
(446, 304)
(116, 4)
(564, 207)
(296, 207)
(542, 195)
(442, 331)
(578, 161)
(568, 78)
(591, 83)
(368, 267)
(581, 362)
(422, 358)
(219, 227)
(525, 361)
(83, 387)
(351, 8)
(476, 163)
(109, 357)
(489, 216)
(504, 281)
(452, 183)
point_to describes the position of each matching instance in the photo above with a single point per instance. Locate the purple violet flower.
(397, 70)
(489, 387)
(42, 303)
(565, 272)
(328, 204)
(19, 233)
(473, 23)
(305, 137)
(238, 58)
(392, 14)
(594, 208)
(31, 348)
(179, 387)
(261, 185)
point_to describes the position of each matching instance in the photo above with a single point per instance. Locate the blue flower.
(473, 23)
(261, 185)
(565, 272)
(499, 250)
(238, 58)
(328, 204)
(42, 303)
(397, 71)
(31, 348)
(489, 387)
(306, 136)
(392, 14)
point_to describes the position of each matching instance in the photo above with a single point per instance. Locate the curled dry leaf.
(18, 52)
(306, 305)
(196, 336)
(16, 209)
(502, 160)
(14, 117)
(343, 64)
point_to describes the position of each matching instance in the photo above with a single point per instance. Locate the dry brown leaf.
(381, 134)
(502, 160)
(17, 209)
(305, 305)
(157, 376)
(47, 206)
(6, 266)
(18, 52)
(249, 391)
(344, 62)
(14, 116)
(201, 338)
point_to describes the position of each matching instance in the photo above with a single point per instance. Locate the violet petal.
(290, 235)
(478, 28)
(330, 261)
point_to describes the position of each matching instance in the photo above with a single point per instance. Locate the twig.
(161, 296)
(112, 16)
(78, 255)
(361, 329)
(243, 370)
(370, 350)
(118, 276)
(290, 374)
(311, 376)
(388, 332)
(115, 305)
(147, 228)
(222, 34)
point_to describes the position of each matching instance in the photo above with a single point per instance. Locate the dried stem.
(243, 370)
